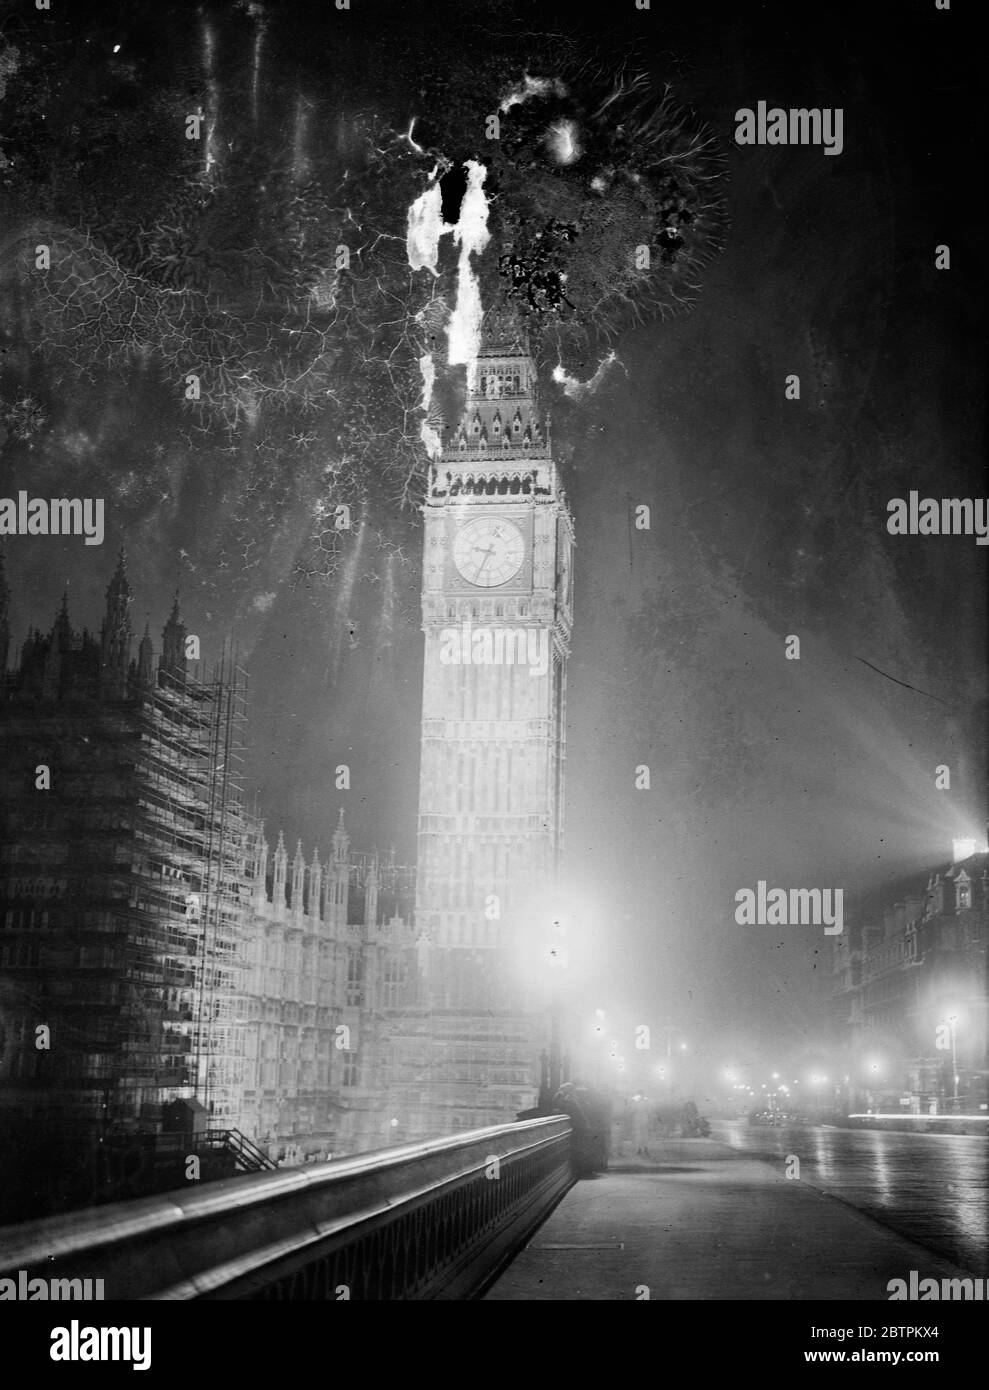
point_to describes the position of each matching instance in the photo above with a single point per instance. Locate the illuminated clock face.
(489, 551)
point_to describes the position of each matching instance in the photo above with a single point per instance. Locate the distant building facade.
(164, 978)
(331, 953)
(911, 993)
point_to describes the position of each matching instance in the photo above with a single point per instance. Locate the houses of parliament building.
(172, 980)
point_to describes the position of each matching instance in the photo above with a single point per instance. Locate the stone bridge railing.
(437, 1219)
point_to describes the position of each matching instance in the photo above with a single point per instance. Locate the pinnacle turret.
(173, 644)
(115, 634)
(341, 840)
(145, 657)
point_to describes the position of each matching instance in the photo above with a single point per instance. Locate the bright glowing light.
(116, 48)
(564, 146)
(965, 847)
(921, 1119)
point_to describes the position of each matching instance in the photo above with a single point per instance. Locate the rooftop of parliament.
(169, 983)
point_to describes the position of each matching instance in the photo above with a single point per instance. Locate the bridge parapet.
(436, 1219)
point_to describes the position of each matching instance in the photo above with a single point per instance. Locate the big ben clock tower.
(496, 613)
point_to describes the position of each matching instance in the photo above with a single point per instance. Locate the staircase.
(247, 1156)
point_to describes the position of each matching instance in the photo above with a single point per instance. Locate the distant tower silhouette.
(145, 658)
(59, 647)
(115, 634)
(172, 662)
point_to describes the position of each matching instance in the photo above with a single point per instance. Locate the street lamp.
(951, 1019)
(558, 961)
(670, 1030)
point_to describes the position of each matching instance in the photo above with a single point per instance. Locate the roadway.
(932, 1188)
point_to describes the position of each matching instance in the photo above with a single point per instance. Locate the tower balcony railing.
(415, 1222)
(504, 450)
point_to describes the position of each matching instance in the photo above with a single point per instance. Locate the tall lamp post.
(952, 1021)
(556, 956)
(671, 1029)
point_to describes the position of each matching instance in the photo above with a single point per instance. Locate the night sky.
(768, 515)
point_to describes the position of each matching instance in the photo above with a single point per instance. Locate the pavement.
(699, 1220)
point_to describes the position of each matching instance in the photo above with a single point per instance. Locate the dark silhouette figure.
(590, 1115)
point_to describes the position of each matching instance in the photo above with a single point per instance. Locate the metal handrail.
(419, 1221)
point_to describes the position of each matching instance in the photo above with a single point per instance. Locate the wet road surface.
(933, 1188)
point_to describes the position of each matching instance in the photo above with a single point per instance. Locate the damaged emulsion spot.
(453, 186)
(456, 204)
(535, 275)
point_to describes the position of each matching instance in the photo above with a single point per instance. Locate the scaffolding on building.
(192, 918)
